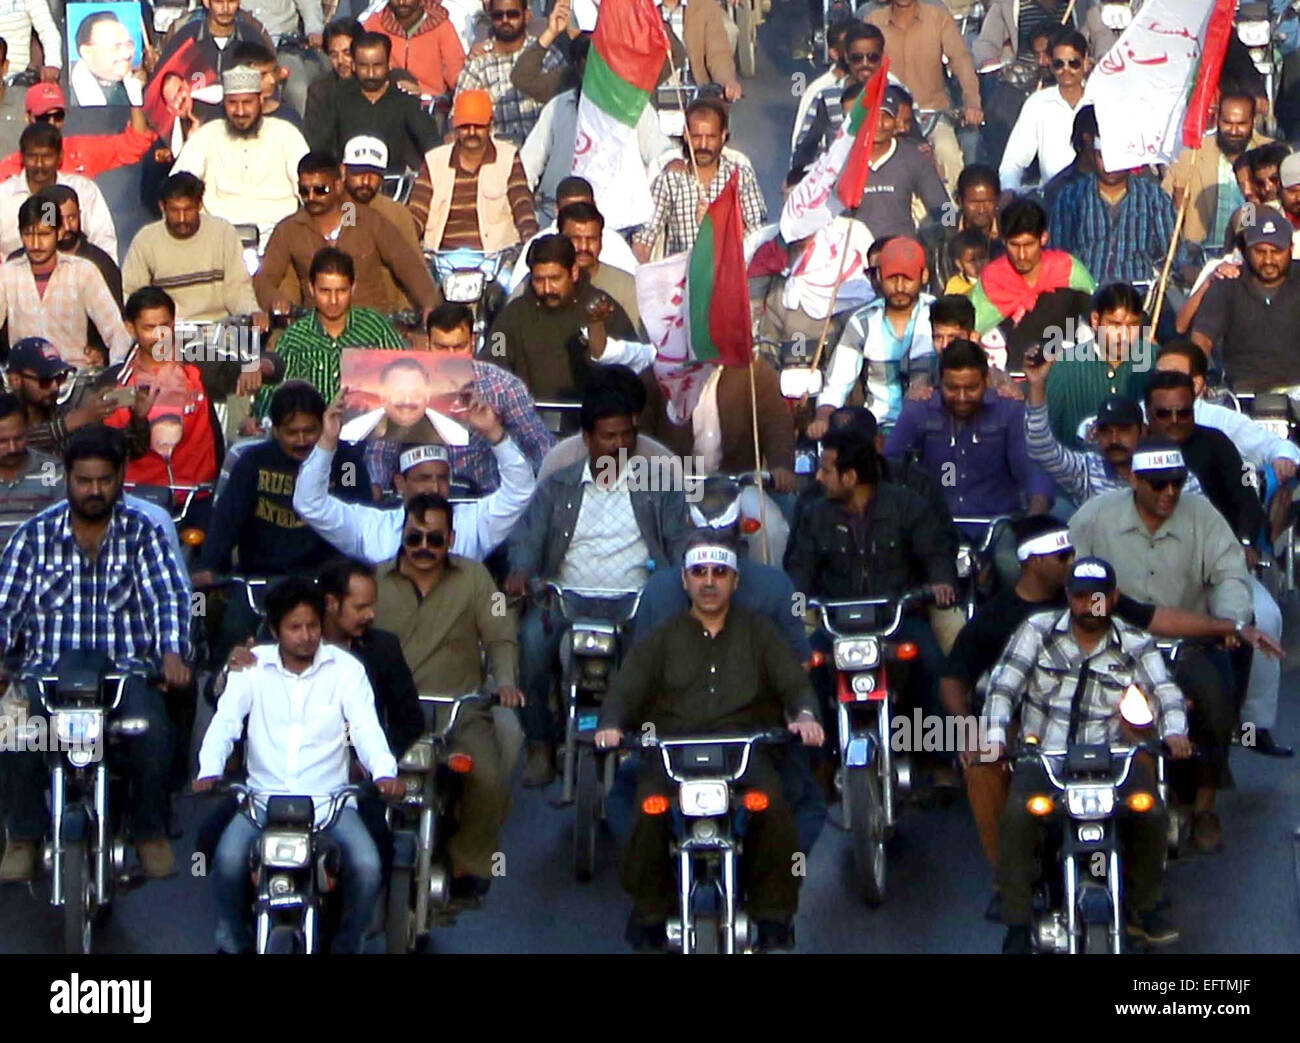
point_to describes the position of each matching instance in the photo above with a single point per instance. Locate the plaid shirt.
(1125, 243)
(1043, 665)
(677, 195)
(311, 354)
(129, 601)
(514, 113)
(509, 396)
(75, 295)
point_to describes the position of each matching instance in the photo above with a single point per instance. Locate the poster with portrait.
(405, 396)
(105, 48)
(184, 78)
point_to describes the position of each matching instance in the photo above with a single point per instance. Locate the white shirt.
(374, 534)
(299, 725)
(1043, 130)
(825, 81)
(607, 549)
(87, 92)
(96, 218)
(1254, 442)
(614, 251)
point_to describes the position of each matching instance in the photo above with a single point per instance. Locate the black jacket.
(396, 697)
(907, 544)
(1212, 457)
(396, 119)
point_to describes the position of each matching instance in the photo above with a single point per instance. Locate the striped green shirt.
(1076, 387)
(311, 354)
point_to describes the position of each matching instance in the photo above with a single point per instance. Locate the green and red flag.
(627, 55)
(717, 290)
(861, 122)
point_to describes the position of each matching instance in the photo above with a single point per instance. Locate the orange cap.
(472, 107)
(902, 256)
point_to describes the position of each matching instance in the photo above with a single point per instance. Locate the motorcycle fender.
(406, 848)
(861, 751)
(1094, 904)
(76, 823)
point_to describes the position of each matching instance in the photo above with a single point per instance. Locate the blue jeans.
(539, 650)
(362, 877)
(144, 759)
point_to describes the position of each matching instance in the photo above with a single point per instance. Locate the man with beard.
(72, 240)
(978, 191)
(441, 607)
(195, 257)
(325, 220)
(337, 44)
(1029, 290)
(1252, 320)
(1076, 664)
(561, 326)
(423, 41)
(681, 194)
(1206, 172)
(584, 226)
(124, 596)
(41, 146)
(473, 193)
(614, 249)
(365, 159)
(248, 162)
(887, 345)
(1179, 551)
(369, 103)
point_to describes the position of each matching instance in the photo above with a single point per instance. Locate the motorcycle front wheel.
(397, 916)
(867, 831)
(77, 898)
(283, 941)
(586, 814)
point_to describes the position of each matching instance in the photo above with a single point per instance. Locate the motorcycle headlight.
(698, 799)
(859, 653)
(78, 727)
(1088, 802)
(463, 287)
(1116, 16)
(863, 684)
(1255, 33)
(593, 642)
(284, 850)
(418, 758)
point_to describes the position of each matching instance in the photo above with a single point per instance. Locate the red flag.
(1217, 34)
(862, 121)
(717, 290)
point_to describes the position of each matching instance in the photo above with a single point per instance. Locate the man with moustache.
(422, 39)
(365, 159)
(1077, 664)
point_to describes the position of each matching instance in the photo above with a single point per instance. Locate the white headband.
(728, 517)
(708, 554)
(422, 454)
(1045, 543)
(1159, 460)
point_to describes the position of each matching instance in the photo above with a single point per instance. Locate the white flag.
(1141, 85)
(813, 204)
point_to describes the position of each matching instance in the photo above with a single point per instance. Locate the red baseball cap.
(902, 256)
(45, 97)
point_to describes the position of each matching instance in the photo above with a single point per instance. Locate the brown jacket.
(400, 218)
(706, 44)
(371, 241)
(776, 436)
(1197, 170)
(916, 55)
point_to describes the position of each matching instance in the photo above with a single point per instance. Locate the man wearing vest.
(473, 193)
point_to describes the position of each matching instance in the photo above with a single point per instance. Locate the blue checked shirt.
(1120, 244)
(130, 601)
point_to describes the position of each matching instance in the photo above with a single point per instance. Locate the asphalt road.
(1241, 900)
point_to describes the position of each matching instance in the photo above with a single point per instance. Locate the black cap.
(1091, 576)
(1119, 409)
(38, 356)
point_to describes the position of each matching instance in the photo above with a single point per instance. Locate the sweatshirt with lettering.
(255, 514)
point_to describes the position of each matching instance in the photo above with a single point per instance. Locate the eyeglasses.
(437, 540)
(506, 16)
(1174, 414)
(45, 382)
(307, 191)
(708, 571)
(870, 57)
(1060, 63)
(1160, 485)
(53, 116)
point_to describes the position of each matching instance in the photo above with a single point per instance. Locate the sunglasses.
(708, 571)
(437, 540)
(870, 57)
(506, 16)
(1060, 63)
(54, 115)
(308, 191)
(45, 382)
(1164, 483)
(1174, 414)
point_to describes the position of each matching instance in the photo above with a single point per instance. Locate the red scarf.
(1014, 298)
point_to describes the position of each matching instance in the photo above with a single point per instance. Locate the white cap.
(1052, 542)
(422, 454)
(365, 151)
(243, 79)
(710, 554)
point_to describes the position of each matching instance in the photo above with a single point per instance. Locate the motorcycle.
(1083, 909)
(559, 418)
(1258, 32)
(598, 621)
(295, 869)
(419, 888)
(86, 852)
(763, 525)
(473, 278)
(975, 556)
(873, 777)
(708, 834)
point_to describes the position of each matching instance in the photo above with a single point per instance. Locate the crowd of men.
(990, 350)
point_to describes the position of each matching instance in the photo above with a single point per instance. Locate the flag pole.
(681, 104)
(1159, 288)
(830, 308)
(758, 465)
(1069, 10)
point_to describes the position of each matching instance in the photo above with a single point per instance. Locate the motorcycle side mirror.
(1135, 708)
(801, 381)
